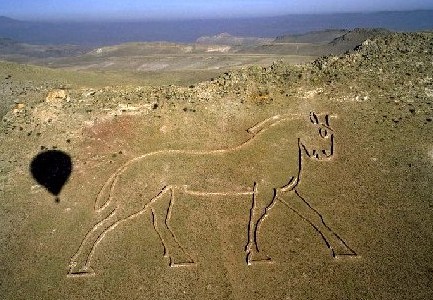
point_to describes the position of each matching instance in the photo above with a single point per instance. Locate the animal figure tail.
(104, 198)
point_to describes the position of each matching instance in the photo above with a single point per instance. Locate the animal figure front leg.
(303, 209)
(262, 201)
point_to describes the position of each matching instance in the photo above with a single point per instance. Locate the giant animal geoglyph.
(263, 168)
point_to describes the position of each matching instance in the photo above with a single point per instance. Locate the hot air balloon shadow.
(52, 169)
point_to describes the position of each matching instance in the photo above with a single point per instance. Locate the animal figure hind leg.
(108, 219)
(303, 209)
(80, 262)
(161, 214)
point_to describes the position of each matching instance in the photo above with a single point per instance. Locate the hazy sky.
(179, 9)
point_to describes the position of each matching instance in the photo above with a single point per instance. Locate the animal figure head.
(315, 141)
(320, 143)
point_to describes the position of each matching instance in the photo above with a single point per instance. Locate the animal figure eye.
(323, 132)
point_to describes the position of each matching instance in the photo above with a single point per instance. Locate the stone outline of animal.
(258, 213)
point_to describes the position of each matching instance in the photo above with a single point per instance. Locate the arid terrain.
(163, 63)
(263, 170)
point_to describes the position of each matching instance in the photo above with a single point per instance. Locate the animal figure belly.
(223, 172)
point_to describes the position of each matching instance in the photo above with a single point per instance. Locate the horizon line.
(209, 18)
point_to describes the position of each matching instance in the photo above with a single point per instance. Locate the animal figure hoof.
(181, 262)
(343, 252)
(345, 256)
(257, 258)
(83, 271)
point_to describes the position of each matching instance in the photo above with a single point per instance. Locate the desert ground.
(266, 181)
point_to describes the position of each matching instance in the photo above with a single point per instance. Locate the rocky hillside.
(391, 70)
(393, 59)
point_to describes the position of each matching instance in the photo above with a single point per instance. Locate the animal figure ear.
(313, 118)
(327, 120)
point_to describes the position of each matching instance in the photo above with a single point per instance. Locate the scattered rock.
(18, 108)
(57, 95)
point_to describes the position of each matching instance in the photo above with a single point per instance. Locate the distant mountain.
(315, 37)
(7, 21)
(7, 42)
(355, 37)
(99, 33)
(17, 51)
(230, 40)
(4, 19)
